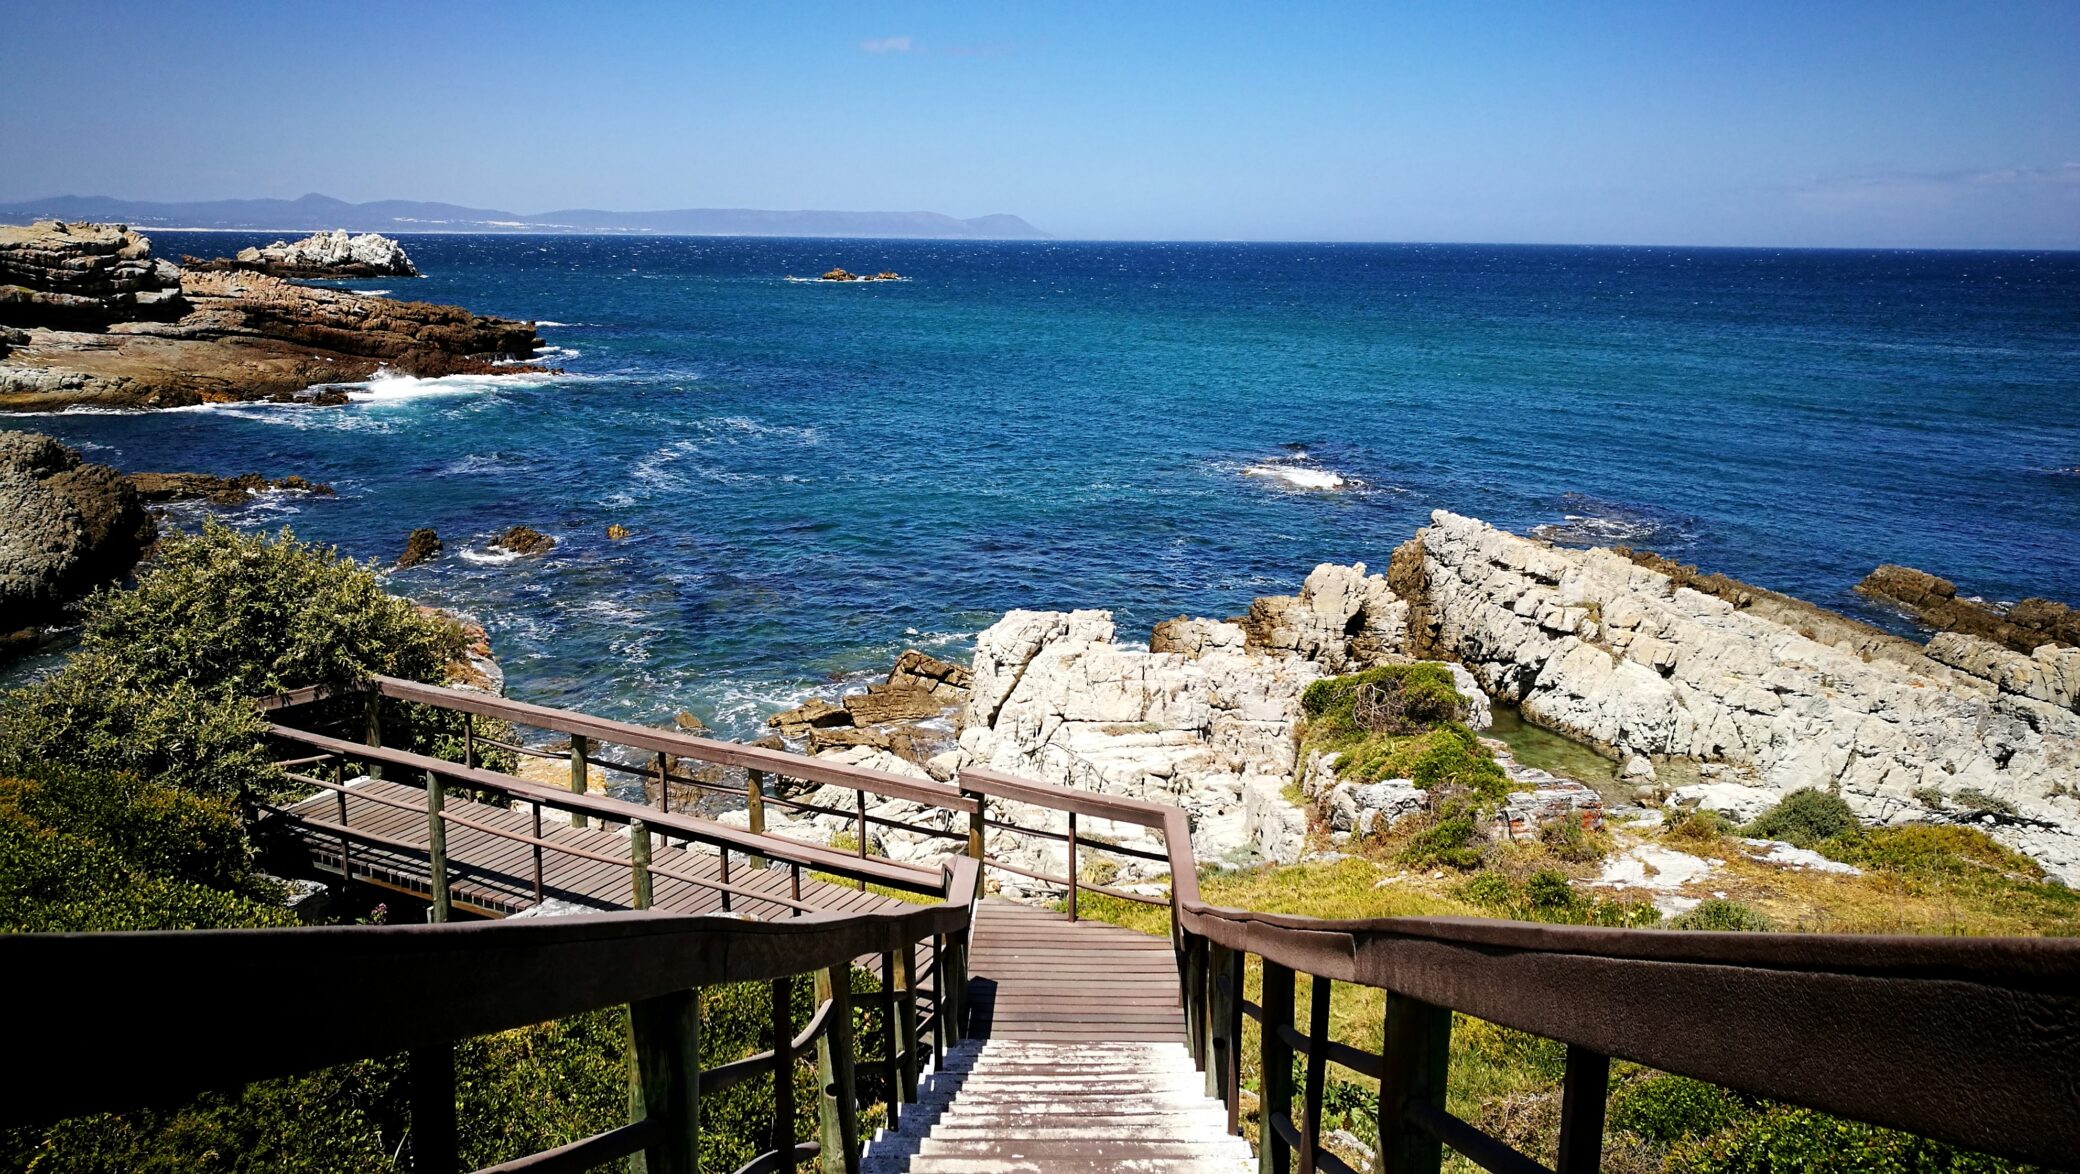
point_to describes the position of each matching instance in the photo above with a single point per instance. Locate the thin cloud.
(888, 45)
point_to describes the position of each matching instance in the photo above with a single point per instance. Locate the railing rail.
(1973, 1042)
(474, 978)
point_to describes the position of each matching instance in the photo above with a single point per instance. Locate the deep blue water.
(818, 475)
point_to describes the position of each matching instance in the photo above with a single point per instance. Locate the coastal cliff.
(92, 319)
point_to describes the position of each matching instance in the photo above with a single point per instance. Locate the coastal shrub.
(1700, 827)
(1444, 758)
(1666, 1108)
(1721, 915)
(1452, 840)
(1547, 896)
(1804, 817)
(1785, 1140)
(1549, 892)
(1568, 840)
(1426, 693)
(160, 682)
(1928, 851)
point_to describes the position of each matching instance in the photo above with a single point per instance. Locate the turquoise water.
(817, 476)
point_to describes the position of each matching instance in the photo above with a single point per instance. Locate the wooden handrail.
(412, 768)
(780, 762)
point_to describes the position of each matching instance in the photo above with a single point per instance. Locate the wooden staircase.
(1016, 1106)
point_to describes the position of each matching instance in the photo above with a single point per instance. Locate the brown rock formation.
(421, 545)
(156, 487)
(1934, 602)
(108, 325)
(65, 527)
(523, 540)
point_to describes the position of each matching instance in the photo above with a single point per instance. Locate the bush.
(1445, 758)
(1452, 840)
(1427, 691)
(1923, 850)
(1785, 1140)
(1804, 817)
(1700, 827)
(1722, 915)
(160, 684)
(1669, 1108)
(1567, 839)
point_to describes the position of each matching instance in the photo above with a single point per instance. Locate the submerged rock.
(523, 540)
(422, 545)
(65, 528)
(1934, 601)
(219, 490)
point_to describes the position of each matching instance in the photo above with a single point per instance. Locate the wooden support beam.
(430, 1075)
(579, 748)
(664, 1033)
(783, 1138)
(639, 863)
(1317, 1073)
(755, 808)
(1417, 1064)
(838, 1111)
(437, 848)
(906, 1010)
(1582, 1091)
(1275, 1070)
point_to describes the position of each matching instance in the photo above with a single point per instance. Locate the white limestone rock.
(1741, 804)
(1590, 643)
(369, 255)
(1343, 619)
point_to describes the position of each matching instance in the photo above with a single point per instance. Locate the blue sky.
(1891, 124)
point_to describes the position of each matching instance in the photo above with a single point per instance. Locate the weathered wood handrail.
(1973, 1042)
(472, 979)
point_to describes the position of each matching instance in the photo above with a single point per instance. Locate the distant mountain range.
(314, 212)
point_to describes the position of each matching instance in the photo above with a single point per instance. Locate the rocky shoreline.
(88, 317)
(1651, 662)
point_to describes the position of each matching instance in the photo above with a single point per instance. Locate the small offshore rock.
(689, 722)
(524, 540)
(217, 490)
(422, 545)
(617, 531)
(321, 255)
(814, 713)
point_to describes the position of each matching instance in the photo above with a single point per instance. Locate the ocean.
(816, 475)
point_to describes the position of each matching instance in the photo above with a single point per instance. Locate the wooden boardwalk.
(493, 876)
(1036, 975)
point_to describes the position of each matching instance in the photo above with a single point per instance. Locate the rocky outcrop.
(320, 255)
(1342, 619)
(161, 487)
(1935, 603)
(1057, 699)
(420, 546)
(523, 540)
(844, 275)
(209, 336)
(1596, 645)
(83, 277)
(65, 528)
(909, 715)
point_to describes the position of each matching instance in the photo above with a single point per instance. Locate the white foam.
(1299, 476)
(546, 322)
(371, 293)
(490, 558)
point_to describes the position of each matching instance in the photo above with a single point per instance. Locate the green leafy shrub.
(1924, 850)
(1452, 840)
(1666, 1108)
(1568, 840)
(160, 684)
(1549, 892)
(1804, 817)
(1700, 827)
(1722, 915)
(1783, 1140)
(1431, 696)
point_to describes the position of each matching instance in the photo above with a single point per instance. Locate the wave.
(1587, 521)
(371, 293)
(1298, 476)
(489, 558)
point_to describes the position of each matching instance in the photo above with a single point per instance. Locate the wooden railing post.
(838, 1111)
(536, 821)
(755, 808)
(1582, 1091)
(469, 740)
(891, 1041)
(1274, 1070)
(978, 826)
(430, 1075)
(373, 730)
(1312, 1092)
(1222, 1037)
(939, 1013)
(665, 1034)
(346, 842)
(664, 782)
(437, 848)
(1072, 866)
(1417, 1063)
(783, 1069)
(861, 798)
(1192, 995)
(906, 999)
(639, 863)
(579, 749)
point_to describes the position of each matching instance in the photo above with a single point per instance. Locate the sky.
(1696, 122)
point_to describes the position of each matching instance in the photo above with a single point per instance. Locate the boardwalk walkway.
(494, 876)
